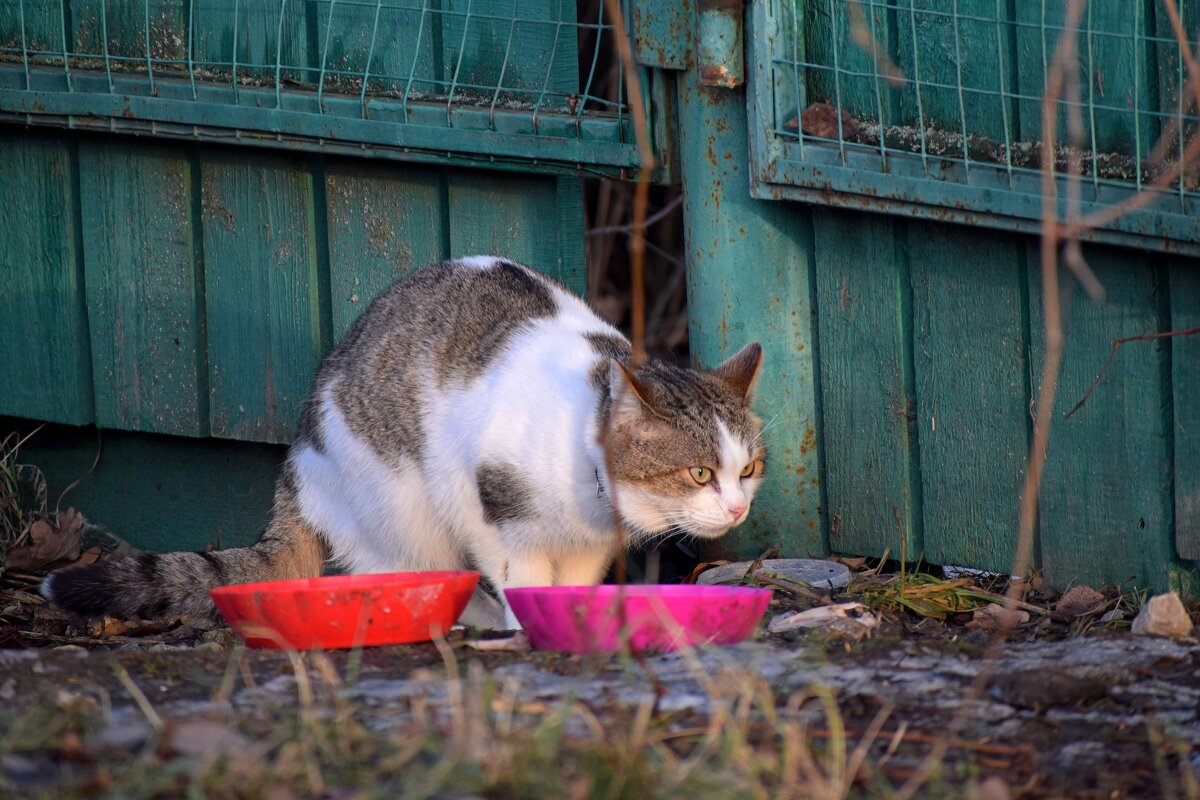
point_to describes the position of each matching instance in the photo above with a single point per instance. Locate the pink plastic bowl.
(589, 619)
(346, 610)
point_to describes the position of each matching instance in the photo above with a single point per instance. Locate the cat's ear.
(741, 369)
(627, 392)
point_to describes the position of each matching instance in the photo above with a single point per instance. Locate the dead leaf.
(821, 120)
(856, 562)
(1163, 615)
(44, 548)
(49, 544)
(1077, 601)
(701, 567)
(106, 626)
(850, 620)
(89, 556)
(991, 617)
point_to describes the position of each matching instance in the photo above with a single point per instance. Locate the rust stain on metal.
(718, 75)
(809, 442)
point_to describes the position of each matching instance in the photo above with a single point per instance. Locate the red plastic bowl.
(345, 610)
(589, 619)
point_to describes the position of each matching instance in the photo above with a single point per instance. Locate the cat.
(458, 425)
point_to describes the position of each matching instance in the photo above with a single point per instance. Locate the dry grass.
(489, 740)
(23, 494)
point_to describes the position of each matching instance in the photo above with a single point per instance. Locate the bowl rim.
(664, 591)
(359, 582)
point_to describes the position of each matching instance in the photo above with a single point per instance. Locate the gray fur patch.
(608, 347)
(447, 322)
(503, 493)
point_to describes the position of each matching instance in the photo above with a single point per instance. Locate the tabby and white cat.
(458, 425)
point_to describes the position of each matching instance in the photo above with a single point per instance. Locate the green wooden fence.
(172, 293)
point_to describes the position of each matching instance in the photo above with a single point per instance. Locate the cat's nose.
(737, 511)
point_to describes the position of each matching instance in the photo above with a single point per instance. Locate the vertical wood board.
(262, 294)
(971, 368)
(129, 32)
(142, 295)
(1185, 382)
(970, 50)
(855, 80)
(867, 402)
(523, 217)
(392, 44)
(1106, 507)
(384, 222)
(1118, 90)
(44, 351)
(36, 26)
(523, 46)
(259, 36)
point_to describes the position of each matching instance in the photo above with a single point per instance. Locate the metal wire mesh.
(500, 66)
(950, 92)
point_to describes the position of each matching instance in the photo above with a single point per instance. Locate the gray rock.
(818, 573)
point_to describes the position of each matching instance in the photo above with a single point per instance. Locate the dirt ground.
(1074, 706)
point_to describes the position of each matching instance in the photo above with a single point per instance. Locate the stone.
(1163, 615)
(817, 573)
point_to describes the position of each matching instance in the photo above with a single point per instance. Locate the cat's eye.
(748, 470)
(701, 475)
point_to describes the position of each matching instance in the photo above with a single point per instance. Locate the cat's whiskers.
(772, 422)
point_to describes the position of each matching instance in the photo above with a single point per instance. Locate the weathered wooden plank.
(44, 356)
(258, 36)
(158, 492)
(393, 42)
(383, 223)
(523, 217)
(123, 31)
(1115, 72)
(970, 359)
(262, 298)
(143, 303)
(1106, 496)
(853, 76)
(944, 52)
(524, 46)
(36, 27)
(1185, 382)
(868, 401)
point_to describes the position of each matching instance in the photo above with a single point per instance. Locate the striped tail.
(156, 585)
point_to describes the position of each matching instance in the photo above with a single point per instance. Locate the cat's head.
(683, 445)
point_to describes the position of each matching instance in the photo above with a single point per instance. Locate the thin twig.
(139, 697)
(860, 34)
(1065, 57)
(653, 218)
(1113, 353)
(641, 199)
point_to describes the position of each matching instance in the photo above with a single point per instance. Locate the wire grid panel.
(497, 80)
(933, 108)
